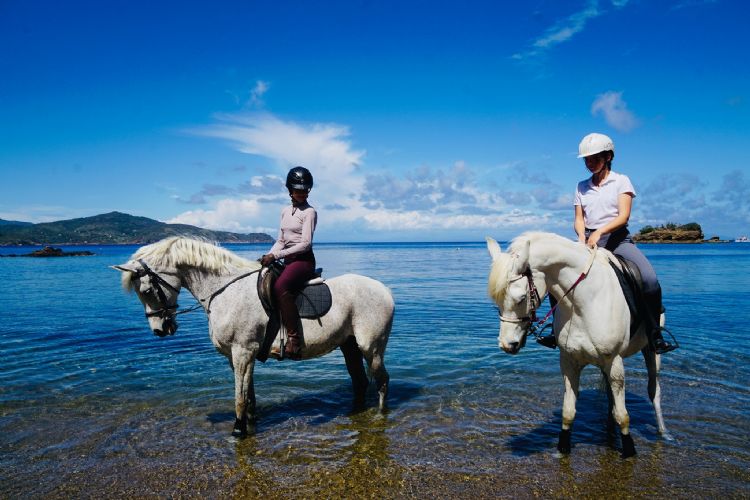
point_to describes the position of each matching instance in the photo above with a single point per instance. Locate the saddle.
(313, 302)
(632, 288)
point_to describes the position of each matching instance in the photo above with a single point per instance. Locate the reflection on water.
(91, 402)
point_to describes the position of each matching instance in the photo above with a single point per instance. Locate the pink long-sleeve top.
(295, 231)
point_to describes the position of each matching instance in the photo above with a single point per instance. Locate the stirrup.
(666, 346)
(276, 352)
(548, 340)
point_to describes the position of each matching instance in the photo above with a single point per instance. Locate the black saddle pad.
(631, 284)
(314, 301)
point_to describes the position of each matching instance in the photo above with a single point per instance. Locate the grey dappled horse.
(591, 323)
(359, 321)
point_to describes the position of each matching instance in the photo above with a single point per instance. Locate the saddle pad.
(314, 301)
(630, 282)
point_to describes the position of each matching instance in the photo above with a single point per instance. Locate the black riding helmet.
(299, 178)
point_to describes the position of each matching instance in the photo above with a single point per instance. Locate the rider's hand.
(267, 260)
(594, 238)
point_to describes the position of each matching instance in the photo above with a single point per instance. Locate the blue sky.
(433, 121)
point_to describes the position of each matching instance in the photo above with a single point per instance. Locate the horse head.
(512, 287)
(157, 291)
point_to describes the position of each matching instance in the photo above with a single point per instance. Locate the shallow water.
(92, 402)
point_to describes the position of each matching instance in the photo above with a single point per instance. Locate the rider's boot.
(652, 323)
(290, 319)
(549, 340)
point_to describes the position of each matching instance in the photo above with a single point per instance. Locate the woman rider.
(602, 208)
(294, 246)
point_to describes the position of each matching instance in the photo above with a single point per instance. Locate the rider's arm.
(279, 243)
(579, 225)
(624, 206)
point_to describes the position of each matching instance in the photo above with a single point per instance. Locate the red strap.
(552, 310)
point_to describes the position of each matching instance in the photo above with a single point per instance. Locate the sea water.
(91, 403)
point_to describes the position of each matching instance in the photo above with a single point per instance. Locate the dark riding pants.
(620, 244)
(286, 288)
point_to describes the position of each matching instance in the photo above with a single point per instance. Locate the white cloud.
(236, 215)
(348, 197)
(324, 148)
(256, 94)
(383, 220)
(565, 29)
(615, 111)
(562, 31)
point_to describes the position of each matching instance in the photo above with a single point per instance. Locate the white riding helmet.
(595, 143)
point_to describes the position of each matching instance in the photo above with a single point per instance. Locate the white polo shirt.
(599, 203)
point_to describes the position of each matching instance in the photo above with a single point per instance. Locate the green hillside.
(113, 228)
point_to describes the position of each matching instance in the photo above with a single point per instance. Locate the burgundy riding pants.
(295, 274)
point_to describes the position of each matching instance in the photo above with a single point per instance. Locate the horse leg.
(653, 362)
(611, 433)
(571, 376)
(243, 362)
(377, 370)
(616, 376)
(353, 357)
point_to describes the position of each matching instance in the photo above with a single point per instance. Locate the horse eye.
(148, 291)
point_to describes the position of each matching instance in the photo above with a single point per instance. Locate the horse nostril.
(513, 347)
(159, 333)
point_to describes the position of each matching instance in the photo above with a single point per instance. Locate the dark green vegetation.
(672, 233)
(112, 228)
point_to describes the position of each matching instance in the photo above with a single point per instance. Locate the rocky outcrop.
(50, 252)
(670, 236)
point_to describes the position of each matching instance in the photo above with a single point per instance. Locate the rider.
(602, 208)
(294, 245)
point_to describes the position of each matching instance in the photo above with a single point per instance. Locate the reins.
(533, 300)
(164, 311)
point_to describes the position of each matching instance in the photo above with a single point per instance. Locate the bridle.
(534, 300)
(167, 312)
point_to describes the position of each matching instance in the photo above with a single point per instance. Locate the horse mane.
(180, 251)
(497, 283)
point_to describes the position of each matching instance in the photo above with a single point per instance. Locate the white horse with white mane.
(359, 320)
(591, 323)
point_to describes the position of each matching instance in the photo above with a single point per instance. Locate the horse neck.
(201, 283)
(561, 264)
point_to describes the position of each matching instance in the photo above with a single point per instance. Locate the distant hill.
(4, 222)
(112, 228)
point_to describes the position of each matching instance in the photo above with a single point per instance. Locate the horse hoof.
(628, 448)
(563, 442)
(240, 429)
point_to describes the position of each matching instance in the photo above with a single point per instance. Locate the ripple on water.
(94, 402)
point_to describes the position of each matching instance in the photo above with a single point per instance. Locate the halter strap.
(533, 300)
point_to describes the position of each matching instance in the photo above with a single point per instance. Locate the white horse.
(591, 323)
(359, 321)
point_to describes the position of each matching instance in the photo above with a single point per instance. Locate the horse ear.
(494, 248)
(522, 262)
(129, 268)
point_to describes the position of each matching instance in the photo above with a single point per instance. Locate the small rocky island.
(674, 233)
(50, 252)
